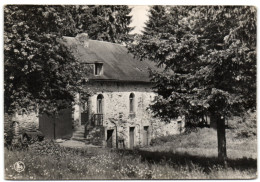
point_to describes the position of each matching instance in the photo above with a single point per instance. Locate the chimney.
(83, 39)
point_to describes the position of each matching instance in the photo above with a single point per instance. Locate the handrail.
(97, 119)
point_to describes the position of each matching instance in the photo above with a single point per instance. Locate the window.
(100, 99)
(131, 102)
(98, 69)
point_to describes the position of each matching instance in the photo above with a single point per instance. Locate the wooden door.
(131, 137)
(54, 127)
(146, 135)
(84, 118)
(110, 138)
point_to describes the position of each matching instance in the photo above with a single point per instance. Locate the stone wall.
(175, 126)
(27, 121)
(117, 116)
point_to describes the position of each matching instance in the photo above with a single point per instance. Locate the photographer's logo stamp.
(19, 166)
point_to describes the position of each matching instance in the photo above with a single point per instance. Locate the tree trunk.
(221, 133)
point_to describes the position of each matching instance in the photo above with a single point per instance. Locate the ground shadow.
(206, 163)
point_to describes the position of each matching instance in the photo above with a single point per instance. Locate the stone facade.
(117, 113)
(122, 127)
(119, 124)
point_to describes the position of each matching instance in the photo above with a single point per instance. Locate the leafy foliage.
(246, 127)
(210, 55)
(40, 72)
(38, 69)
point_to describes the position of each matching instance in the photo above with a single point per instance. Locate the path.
(75, 144)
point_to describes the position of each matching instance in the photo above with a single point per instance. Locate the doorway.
(146, 136)
(110, 138)
(131, 137)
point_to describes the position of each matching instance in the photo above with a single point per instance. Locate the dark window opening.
(98, 69)
(100, 106)
(131, 102)
(131, 137)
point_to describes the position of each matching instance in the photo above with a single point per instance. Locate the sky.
(139, 17)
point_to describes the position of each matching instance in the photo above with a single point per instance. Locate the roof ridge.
(107, 42)
(99, 41)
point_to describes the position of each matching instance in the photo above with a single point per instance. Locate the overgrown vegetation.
(192, 155)
(105, 164)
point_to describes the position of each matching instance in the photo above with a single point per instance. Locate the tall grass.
(186, 156)
(105, 164)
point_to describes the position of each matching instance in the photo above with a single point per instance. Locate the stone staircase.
(78, 134)
(94, 135)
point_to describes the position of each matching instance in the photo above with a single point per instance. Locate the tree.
(40, 72)
(38, 68)
(109, 23)
(157, 19)
(209, 54)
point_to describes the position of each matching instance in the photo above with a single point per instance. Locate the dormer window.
(98, 69)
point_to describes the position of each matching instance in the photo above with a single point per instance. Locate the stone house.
(117, 113)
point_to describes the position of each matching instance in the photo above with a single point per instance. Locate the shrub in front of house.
(46, 147)
(50, 147)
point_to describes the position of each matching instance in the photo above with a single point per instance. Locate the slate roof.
(118, 64)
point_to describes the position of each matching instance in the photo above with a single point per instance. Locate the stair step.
(91, 138)
(78, 135)
(78, 131)
(79, 128)
(79, 139)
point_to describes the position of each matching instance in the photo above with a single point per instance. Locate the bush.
(8, 138)
(32, 137)
(46, 147)
(8, 131)
(12, 142)
(245, 127)
(20, 141)
(161, 140)
(50, 147)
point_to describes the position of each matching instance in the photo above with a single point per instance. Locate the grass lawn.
(203, 142)
(241, 140)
